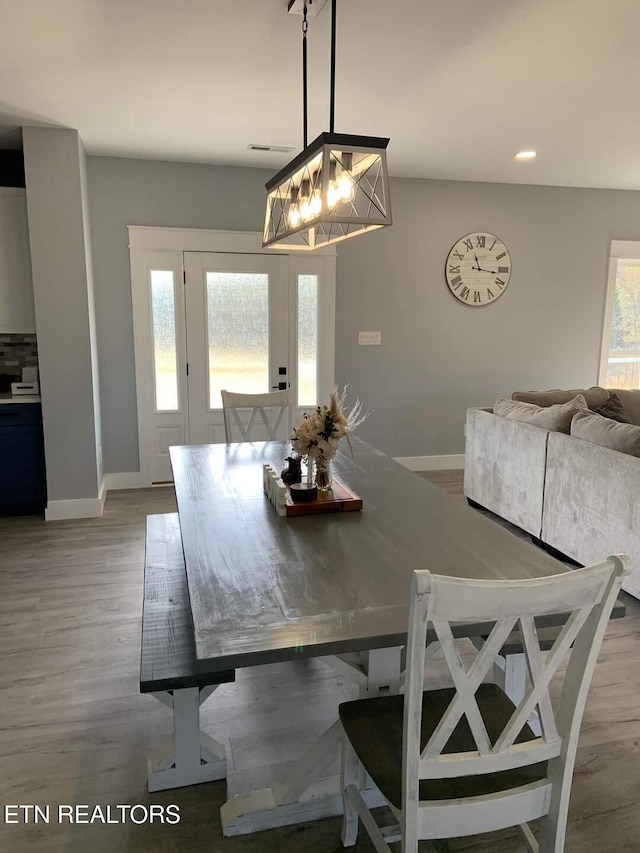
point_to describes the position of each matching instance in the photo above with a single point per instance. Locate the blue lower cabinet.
(22, 468)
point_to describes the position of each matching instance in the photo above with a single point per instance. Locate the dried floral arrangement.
(318, 434)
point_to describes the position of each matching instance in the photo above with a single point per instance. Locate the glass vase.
(323, 478)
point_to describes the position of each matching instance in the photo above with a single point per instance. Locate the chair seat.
(374, 728)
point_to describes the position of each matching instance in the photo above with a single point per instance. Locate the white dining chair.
(246, 412)
(463, 760)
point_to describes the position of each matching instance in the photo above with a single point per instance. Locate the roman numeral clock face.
(478, 269)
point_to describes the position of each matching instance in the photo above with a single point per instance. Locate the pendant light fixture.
(337, 187)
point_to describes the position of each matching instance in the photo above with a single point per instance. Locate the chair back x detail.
(532, 774)
(247, 412)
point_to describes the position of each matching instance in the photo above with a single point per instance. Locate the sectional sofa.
(581, 498)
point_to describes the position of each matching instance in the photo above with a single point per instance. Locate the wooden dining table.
(265, 588)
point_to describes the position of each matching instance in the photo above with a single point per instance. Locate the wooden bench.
(168, 666)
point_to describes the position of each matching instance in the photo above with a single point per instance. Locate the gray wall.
(93, 337)
(143, 192)
(61, 285)
(437, 356)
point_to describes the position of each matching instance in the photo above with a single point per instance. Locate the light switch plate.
(369, 339)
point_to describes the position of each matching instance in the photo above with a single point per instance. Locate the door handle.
(281, 386)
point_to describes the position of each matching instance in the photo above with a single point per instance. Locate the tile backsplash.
(16, 352)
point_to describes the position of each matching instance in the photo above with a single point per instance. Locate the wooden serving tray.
(339, 498)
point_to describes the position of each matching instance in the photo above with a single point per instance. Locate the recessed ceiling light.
(525, 155)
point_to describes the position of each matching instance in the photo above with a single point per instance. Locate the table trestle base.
(257, 811)
(190, 756)
(303, 794)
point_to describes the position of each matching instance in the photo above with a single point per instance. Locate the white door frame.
(145, 238)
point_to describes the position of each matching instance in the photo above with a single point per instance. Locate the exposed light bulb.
(345, 187)
(304, 197)
(294, 216)
(345, 183)
(315, 205)
(305, 209)
(333, 196)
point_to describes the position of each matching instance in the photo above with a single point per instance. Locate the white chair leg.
(553, 826)
(349, 775)
(529, 838)
(552, 834)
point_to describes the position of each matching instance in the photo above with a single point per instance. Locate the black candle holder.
(293, 472)
(303, 493)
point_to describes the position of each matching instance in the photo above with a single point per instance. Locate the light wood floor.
(74, 729)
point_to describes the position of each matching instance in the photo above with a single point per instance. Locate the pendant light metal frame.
(336, 188)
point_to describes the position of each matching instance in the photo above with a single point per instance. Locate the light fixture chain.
(305, 122)
(332, 102)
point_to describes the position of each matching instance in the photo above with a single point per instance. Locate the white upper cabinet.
(16, 287)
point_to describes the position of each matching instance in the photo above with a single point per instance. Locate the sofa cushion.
(556, 417)
(614, 409)
(598, 430)
(631, 401)
(504, 467)
(595, 396)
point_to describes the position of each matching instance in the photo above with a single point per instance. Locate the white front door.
(237, 312)
(204, 322)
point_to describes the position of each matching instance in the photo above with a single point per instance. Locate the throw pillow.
(630, 399)
(614, 409)
(557, 417)
(595, 396)
(598, 430)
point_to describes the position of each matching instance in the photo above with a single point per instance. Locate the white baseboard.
(432, 463)
(77, 508)
(93, 507)
(126, 480)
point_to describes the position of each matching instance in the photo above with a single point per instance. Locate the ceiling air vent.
(275, 149)
(314, 7)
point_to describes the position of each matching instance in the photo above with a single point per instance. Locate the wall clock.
(478, 269)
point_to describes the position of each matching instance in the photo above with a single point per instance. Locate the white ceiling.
(458, 85)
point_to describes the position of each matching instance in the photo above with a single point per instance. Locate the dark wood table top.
(267, 588)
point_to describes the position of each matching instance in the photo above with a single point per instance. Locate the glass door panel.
(307, 286)
(312, 283)
(160, 358)
(238, 334)
(165, 354)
